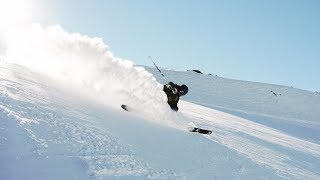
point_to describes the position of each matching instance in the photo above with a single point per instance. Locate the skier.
(174, 92)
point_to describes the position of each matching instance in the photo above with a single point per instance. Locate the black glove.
(171, 87)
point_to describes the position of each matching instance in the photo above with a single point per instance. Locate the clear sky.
(271, 41)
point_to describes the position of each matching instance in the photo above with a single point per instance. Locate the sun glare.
(16, 12)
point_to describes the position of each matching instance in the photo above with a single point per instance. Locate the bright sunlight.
(16, 12)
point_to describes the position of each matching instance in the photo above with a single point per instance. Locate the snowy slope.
(275, 131)
(60, 118)
(293, 111)
(48, 133)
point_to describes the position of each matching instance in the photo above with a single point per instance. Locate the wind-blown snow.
(60, 118)
(88, 64)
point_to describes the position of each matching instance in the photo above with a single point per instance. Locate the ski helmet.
(183, 90)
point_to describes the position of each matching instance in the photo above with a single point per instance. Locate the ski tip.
(124, 107)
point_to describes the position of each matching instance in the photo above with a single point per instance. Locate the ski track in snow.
(227, 130)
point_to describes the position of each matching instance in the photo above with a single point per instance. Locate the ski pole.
(158, 68)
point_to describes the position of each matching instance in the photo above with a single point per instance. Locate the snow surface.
(60, 118)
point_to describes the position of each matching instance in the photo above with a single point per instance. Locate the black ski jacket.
(172, 91)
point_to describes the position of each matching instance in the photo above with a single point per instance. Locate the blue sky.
(271, 41)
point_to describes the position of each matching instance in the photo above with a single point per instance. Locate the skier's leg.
(174, 107)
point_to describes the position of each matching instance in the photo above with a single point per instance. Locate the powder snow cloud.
(87, 63)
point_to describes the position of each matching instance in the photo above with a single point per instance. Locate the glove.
(170, 87)
(174, 90)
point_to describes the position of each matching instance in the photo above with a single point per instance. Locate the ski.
(193, 128)
(201, 131)
(128, 108)
(125, 107)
